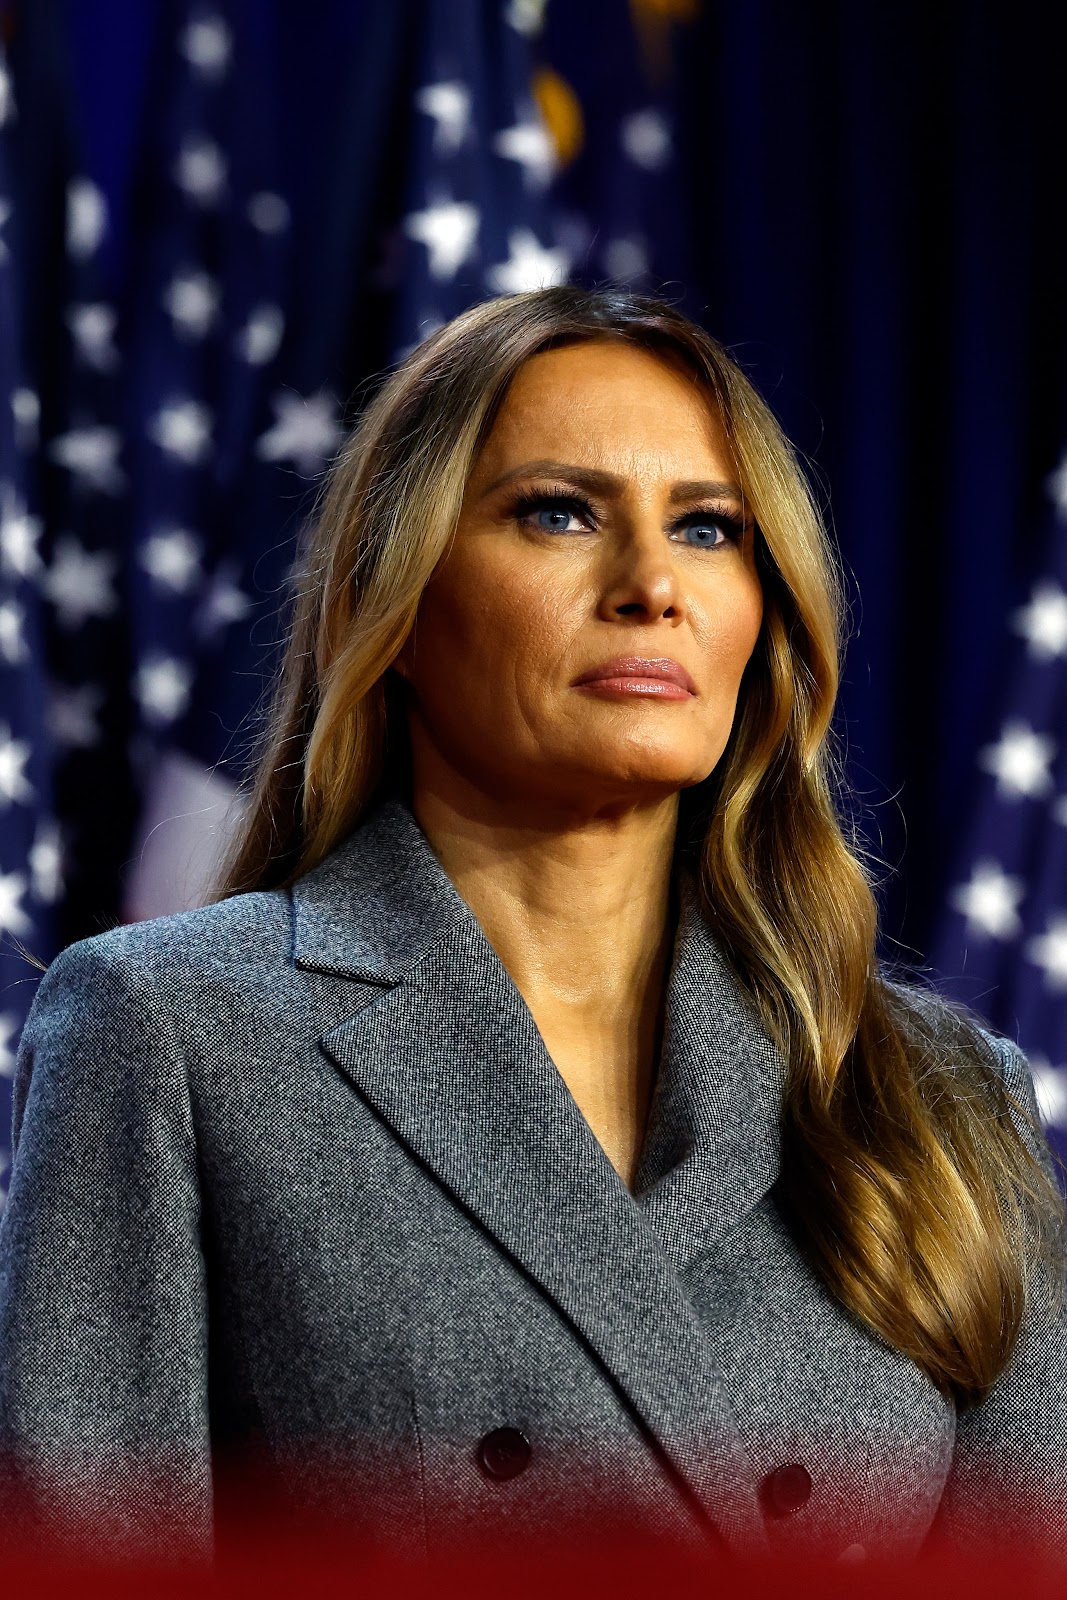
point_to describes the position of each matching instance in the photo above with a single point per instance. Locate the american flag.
(477, 218)
(29, 854)
(159, 454)
(1002, 945)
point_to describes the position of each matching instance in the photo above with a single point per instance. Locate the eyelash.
(731, 522)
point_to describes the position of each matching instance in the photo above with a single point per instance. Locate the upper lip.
(640, 667)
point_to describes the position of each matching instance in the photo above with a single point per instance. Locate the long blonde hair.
(903, 1176)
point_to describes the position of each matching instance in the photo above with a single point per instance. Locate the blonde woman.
(527, 1142)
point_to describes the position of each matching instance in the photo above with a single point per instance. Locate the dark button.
(785, 1490)
(504, 1453)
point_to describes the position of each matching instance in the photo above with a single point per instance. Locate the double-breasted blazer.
(299, 1195)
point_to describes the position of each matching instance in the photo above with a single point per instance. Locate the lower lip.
(644, 688)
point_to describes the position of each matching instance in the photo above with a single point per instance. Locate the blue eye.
(551, 513)
(552, 519)
(712, 530)
(707, 532)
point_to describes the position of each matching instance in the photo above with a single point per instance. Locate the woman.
(527, 1139)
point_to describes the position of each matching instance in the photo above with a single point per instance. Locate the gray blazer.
(300, 1201)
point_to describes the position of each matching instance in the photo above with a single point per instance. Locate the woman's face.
(602, 524)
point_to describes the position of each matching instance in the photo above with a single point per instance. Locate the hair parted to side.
(903, 1176)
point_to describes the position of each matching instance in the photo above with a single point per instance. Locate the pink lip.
(639, 674)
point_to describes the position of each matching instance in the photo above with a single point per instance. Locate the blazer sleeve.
(1007, 1487)
(104, 1439)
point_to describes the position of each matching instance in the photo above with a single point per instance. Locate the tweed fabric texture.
(300, 1201)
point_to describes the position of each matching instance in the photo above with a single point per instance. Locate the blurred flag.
(206, 325)
(478, 220)
(1002, 946)
(30, 878)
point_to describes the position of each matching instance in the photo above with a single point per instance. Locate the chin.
(669, 770)
(650, 782)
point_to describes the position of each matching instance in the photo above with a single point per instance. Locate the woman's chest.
(812, 1388)
(376, 1307)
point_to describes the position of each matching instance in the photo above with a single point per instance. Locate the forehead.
(605, 402)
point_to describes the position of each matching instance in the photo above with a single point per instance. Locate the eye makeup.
(527, 502)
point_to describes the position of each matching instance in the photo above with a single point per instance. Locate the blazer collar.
(377, 903)
(443, 1046)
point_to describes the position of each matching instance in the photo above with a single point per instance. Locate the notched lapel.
(712, 1146)
(450, 1057)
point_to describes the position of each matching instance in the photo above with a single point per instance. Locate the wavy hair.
(904, 1176)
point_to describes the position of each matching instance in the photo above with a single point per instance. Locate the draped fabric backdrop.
(220, 218)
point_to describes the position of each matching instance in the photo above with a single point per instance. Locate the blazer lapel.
(450, 1056)
(712, 1146)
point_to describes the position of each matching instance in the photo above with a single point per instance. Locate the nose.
(641, 579)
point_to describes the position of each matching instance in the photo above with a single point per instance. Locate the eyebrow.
(595, 481)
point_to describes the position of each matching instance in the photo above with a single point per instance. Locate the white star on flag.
(1056, 484)
(1049, 951)
(1043, 622)
(1020, 761)
(182, 428)
(990, 901)
(9, 1031)
(206, 44)
(448, 230)
(646, 138)
(15, 787)
(19, 533)
(163, 685)
(306, 431)
(1050, 1088)
(12, 644)
(526, 16)
(191, 299)
(260, 339)
(45, 861)
(268, 212)
(26, 409)
(171, 557)
(449, 104)
(91, 455)
(223, 602)
(200, 171)
(7, 98)
(92, 328)
(80, 583)
(529, 266)
(530, 144)
(86, 217)
(71, 714)
(13, 918)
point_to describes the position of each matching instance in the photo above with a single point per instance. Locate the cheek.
(733, 624)
(488, 628)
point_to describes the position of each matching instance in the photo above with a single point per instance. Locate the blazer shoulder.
(944, 1023)
(246, 928)
(939, 1020)
(175, 965)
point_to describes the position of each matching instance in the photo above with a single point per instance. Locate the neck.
(577, 906)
